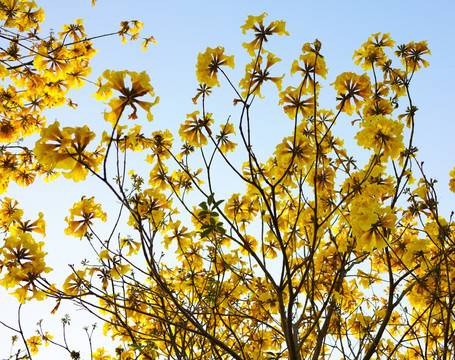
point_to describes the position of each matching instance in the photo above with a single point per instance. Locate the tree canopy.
(314, 253)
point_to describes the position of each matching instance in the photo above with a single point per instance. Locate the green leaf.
(206, 233)
(218, 203)
(203, 213)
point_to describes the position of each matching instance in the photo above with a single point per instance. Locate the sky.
(185, 28)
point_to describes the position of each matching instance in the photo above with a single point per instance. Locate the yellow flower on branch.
(53, 141)
(38, 226)
(53, 62)
(180, 236)
(255, 76)
(140, 86)
(9, 212)
(372, 51)
(82, 215)
(452, 180)
(161, 145)
(147, 41)
(158, 177)
(151, 205)
(132, 245)
(294, 103)
(296, 149)
(381, 134)
(75, 284)
(131, 29)
(255, 23)
(223, 141)
(312, 63)
(33, 344)
(192, 130)
(411, 55)
(409, 115)
(208, 64)
(67, 149)
(23, 260)
(22, 15)
(75, 31)
(377, 236)
(350, 86)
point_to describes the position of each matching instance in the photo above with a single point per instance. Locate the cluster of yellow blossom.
(21, 256)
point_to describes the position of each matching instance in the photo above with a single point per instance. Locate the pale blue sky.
(184, 28)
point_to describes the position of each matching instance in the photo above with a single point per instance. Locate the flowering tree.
(315, 257)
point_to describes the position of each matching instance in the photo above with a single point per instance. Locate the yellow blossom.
(208, 65)
(82, 215)
(350, 86)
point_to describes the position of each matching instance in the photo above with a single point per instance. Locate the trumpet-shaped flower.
(350, 86)
(140, 86)
(294, 103)
(67, 149)
(255, 23)
(82, 215)
(255, 76)
(224, 143)
(382, 135)
(372, 51)
(411, 55)
(208, 65)
(192, 130)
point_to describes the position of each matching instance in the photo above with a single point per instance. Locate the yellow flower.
(52, 61)
(255, 23)
(411, 55)
(298, 150)
(9, 212)
(312, 63)
(377, 106)
(255, 76)
(75, 284)
(372, 51)
(24, 260)
(86, 210)
(249, 244)
(350, 86)
(180, 235)
(150, 205)
(140, 86)
(224, 143)
(192, 130)
(158, 177)
(147, 41)
(38, 226)
(161, 145)
(409, 115)
(452, 180)
(208, 65)
(295, 103)
(382, 135)
(132, 245)
(67, 149)
(74, 31)
(131, 29)
(241, 210)
(101, 354)
(33, 344)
